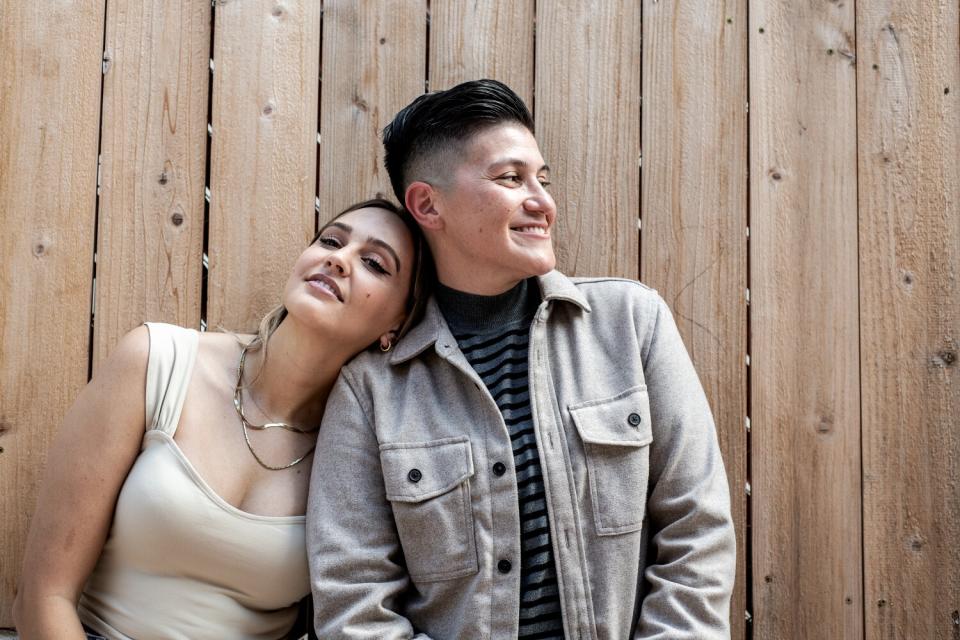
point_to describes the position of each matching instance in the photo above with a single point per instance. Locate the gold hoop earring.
(388, 347)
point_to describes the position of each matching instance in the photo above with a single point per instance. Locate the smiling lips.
(325, 285)
(533, 229)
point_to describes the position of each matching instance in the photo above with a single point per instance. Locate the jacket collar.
(554, 286)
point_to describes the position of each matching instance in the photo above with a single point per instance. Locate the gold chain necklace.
(245, 424)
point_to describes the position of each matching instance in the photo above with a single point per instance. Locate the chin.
(540, 266)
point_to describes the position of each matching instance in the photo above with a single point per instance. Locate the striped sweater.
(493, 333)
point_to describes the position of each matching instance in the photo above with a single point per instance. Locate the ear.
(388, 338)
(421, 200)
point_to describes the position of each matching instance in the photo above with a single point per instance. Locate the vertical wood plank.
(476, 40)
(804, 320)
(587, 108)
(49, 116)
(263, 153)
(694, 203)
(374, 61)
(909, 146)
(153, 158)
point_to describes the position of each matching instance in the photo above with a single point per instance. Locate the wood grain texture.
(374, 61)
(472, 40)
(153, 163)
(805, 435)
(694, 204)
(49, 116)
(909, 148)
(587, 108)
(263, 153)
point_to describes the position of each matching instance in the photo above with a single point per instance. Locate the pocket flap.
(416, 471)
(623, 420)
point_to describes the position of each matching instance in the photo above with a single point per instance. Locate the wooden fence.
(797, 199)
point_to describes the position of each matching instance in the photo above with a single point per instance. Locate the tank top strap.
(173, 351)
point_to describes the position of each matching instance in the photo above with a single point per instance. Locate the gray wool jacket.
(408, 527)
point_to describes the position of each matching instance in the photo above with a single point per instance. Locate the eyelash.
(518, 180)
(372, 263)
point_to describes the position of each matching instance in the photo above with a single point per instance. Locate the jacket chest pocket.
(616, 434)
(428, 485)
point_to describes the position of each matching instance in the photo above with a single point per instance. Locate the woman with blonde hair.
(175, 492)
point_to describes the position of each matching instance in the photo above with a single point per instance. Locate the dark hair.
(421, 280)
(436, 122)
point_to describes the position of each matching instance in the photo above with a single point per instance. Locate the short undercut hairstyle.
(431, 128)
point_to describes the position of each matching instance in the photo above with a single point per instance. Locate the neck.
(292, 384)
(476, 286)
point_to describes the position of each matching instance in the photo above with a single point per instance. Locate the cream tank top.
(180, 562)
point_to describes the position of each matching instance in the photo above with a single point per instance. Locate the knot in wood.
(177, 219)
(825, 425)
(268, 109)
(277, 11)
(163, 178)
(383, 41)
(39, 249)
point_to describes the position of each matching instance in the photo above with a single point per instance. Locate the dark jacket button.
(499, 469)
(414, 475)
(504, 566)
(634, 419)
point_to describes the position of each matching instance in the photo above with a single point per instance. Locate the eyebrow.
(520, 163)
(374, 241)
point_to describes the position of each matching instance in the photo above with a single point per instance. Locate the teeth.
(540, 230)
(327, 287)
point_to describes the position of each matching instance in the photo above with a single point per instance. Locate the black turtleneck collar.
(476, 314)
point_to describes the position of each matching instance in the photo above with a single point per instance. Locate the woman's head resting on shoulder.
(363, 280)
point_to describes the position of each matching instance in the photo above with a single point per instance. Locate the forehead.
(503, 142)
(379, 224)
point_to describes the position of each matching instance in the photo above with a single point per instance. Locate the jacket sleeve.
(691, 562)
(356, 570)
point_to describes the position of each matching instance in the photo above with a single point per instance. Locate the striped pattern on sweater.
(500, 359)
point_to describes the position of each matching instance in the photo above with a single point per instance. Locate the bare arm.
(86, 467)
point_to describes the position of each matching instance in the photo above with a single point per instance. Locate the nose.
(337, 263)
(540, 201)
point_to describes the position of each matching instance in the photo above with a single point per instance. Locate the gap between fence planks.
(263, 154)
(153, 155)
(374, 61)
(694, 189)
(805, 419)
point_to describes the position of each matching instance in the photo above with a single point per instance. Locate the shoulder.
(370, 363)
(130, 355)
(218, 354)
(605, 294)
(599, 286)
